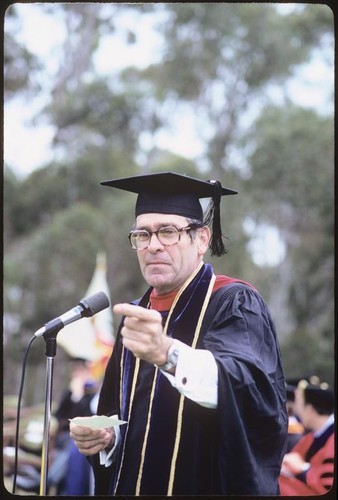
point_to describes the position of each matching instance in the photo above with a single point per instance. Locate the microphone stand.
(50, 340)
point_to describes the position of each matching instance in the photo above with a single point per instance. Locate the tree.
(20, 65)
(291, 185)
(222, 58)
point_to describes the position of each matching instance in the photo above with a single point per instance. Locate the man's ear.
(204, 235)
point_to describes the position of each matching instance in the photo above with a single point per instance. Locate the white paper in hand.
(97, 421)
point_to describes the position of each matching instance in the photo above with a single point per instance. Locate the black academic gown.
(235, 449)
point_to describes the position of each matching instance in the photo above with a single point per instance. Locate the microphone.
(87, 307)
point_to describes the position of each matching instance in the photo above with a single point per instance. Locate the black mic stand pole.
(50, 340)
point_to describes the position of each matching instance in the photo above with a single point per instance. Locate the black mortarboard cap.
(172, 193)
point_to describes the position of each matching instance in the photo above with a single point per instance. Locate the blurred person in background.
(295, 427)
(308, 469)
(70, 472)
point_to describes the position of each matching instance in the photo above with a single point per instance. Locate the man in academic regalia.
(196, 370)
(308, 469)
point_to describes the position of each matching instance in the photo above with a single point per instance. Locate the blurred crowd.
(69, 472)
(308, 466)
(307, 469)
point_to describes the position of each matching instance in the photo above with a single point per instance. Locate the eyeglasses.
(167, 236)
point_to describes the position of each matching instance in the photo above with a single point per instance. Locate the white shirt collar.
(329, 421)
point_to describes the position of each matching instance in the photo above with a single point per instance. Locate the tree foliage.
(292, 189)
(223, 58)
(20, 65)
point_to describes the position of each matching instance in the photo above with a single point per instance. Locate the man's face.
(166, 268)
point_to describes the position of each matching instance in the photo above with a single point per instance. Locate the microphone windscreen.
(94, 303)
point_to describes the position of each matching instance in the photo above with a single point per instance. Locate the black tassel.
(216, 246)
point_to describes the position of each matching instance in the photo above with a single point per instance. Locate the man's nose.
(154, 243)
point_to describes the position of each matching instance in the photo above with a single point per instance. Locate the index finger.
(136, 311)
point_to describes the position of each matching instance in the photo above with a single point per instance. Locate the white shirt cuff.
(107, 458)
(196, 375)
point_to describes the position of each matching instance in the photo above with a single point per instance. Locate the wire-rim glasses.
(166, 235)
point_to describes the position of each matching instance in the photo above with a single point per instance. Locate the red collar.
(164, 302)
